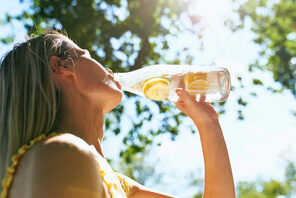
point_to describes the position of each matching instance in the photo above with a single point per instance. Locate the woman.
(49, 84)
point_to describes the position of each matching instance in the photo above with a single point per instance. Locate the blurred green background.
(153, 142)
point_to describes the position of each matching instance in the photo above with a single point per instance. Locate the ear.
(61, 70)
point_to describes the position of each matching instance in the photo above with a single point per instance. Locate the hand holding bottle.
(199, 111)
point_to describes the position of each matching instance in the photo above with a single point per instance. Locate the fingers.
(185, 99)
(196, 110)
(184, 96)
(181, 92)
(202, 98)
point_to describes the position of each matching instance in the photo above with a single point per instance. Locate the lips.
(118, 84)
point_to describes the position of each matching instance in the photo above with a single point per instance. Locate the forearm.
(218, 175)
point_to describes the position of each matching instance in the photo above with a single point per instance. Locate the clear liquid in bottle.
(159, 82)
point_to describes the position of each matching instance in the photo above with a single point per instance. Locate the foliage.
(274, 26)
(127, 35)
(271, 188)
(142, 169)
(123, 35)
(7, 38)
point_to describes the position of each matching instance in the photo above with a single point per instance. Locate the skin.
(89, 91)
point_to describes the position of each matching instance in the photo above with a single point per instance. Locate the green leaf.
(257, 81)
(242, 102)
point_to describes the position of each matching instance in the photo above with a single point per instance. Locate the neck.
(85, 122)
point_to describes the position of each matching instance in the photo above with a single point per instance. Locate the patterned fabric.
(117, 185)
(123, 183)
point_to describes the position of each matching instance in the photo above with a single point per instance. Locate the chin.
(119, 97)
(119, 100)
(115, 102)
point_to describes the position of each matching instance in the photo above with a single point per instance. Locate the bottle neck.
(123, 79)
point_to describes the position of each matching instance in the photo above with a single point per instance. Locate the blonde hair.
(29, 98)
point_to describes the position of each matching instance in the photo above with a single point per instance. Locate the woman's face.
(94, 82)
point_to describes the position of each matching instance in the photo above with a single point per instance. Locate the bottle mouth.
(116, 76)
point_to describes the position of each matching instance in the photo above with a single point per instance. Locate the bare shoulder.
(61, 145)
(63, 166)
(64, 141)
(65, 150)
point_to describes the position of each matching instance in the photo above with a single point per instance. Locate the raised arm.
(218, 175)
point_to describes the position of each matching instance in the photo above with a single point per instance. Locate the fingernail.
(179, 91)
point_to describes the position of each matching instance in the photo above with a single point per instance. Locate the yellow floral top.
(117, 185)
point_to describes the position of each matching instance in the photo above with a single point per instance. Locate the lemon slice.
(196, 83)
(157, 88)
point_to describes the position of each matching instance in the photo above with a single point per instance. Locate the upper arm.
(62, 170)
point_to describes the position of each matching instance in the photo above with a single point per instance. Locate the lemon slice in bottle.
(196, 83)
(157, 88)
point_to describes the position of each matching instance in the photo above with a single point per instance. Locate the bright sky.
(259, 145)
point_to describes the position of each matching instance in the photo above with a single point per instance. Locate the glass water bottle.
(159, 82)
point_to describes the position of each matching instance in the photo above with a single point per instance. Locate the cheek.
(91, 79)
